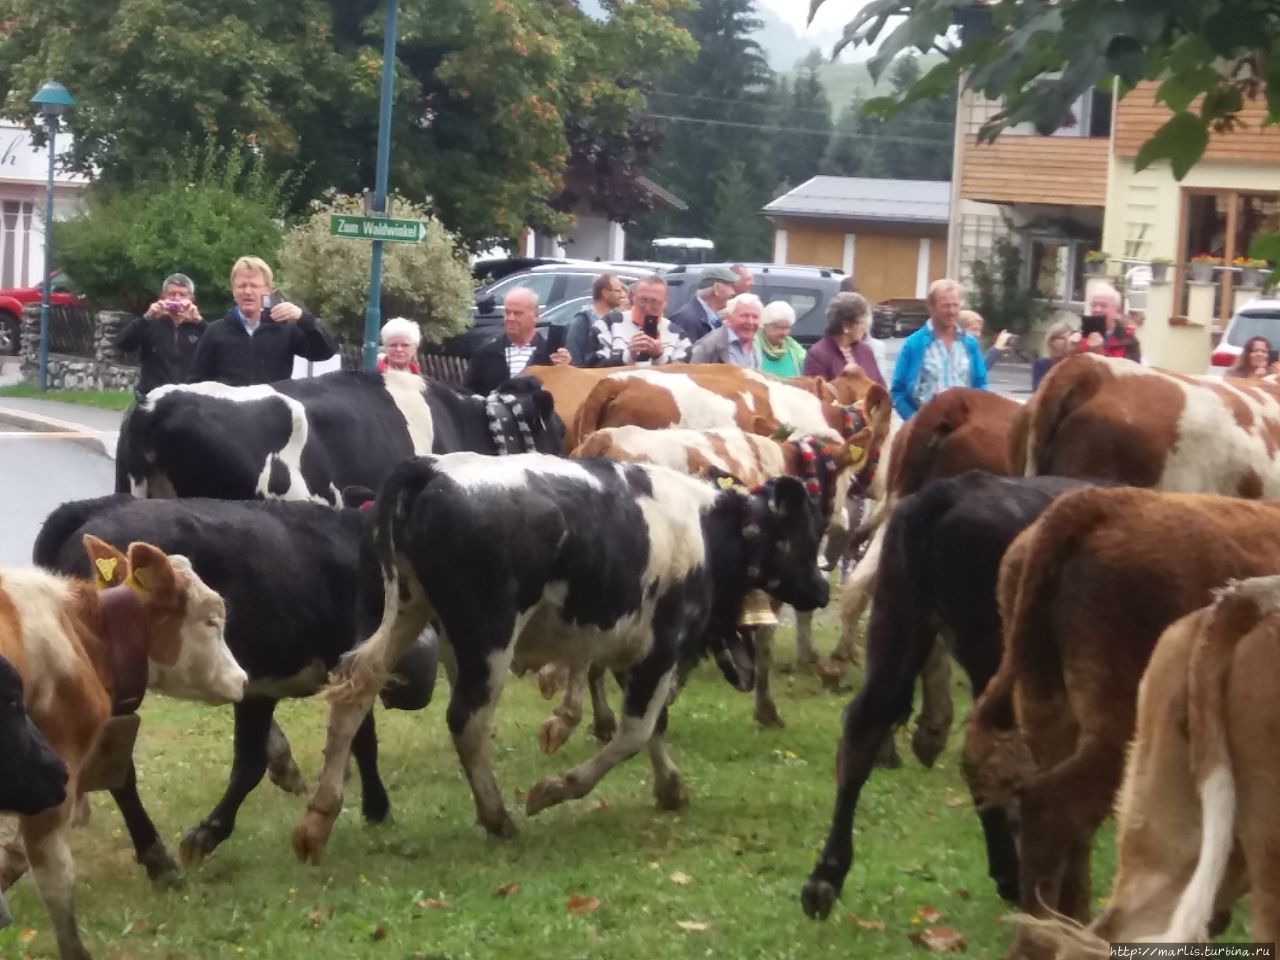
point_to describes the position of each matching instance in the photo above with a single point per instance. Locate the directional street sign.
(377, 228)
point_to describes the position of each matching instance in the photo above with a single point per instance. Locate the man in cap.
(701, 315)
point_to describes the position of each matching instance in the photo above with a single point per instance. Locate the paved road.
(1007, 378)
(38, 472)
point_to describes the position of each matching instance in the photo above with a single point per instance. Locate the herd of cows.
(324, 536)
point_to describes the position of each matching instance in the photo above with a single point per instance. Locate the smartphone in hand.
(556, 334)
(651, 327)
(1092, 323)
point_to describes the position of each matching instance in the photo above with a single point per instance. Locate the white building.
(24, 172)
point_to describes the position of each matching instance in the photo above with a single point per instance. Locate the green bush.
(428, 282)
(1000, 292)
(209, 209)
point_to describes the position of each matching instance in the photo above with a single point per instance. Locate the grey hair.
(1105, 289)
(401, 325)
(843, 309)
(744, 300)
(779, 311)
(179, 280)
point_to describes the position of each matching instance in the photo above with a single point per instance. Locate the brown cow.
(1102, 417)
(86, 653)
(1196, 824)
(1084, 595)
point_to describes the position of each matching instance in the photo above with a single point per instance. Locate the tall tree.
(737, 228)
(493, 97)
(804, 121)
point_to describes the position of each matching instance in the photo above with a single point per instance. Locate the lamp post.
(51, 101)
(373, 306)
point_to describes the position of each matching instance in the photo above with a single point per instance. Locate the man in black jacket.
(257, 341)
(166, 336)
(701, 314)
(504, 357)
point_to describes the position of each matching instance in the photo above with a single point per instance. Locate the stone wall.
(107, 369)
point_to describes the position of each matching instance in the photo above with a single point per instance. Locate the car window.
(563, 311)
(1255, 323)
(808, 303)
(577, 284)
(539, 283)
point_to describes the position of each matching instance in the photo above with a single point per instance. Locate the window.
(1057, 266)
(807, 303)
(1224, 223)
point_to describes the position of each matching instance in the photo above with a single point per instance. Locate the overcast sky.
(831, 18)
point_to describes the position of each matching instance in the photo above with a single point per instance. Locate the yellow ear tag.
(856, 453)
(137, 581)
(106, 568)
(725, 483)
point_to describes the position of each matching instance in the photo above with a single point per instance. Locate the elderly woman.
(780, 353)
(845, 343)
(400, 339)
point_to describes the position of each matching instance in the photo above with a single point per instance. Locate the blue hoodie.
(906, 372)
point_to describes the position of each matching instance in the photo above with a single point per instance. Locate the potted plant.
(1095, 262)
(1252, 271)
(1160, 269)
(1202, 267)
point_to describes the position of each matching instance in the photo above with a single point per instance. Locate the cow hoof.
(807, 664)
(603, 730)
(553, 733)
(82, 813)
(550, 679)
(887, 758)
(832, 675)
(376, 810)
(1009, 891)
(817, 898)
(310, 836)
(767, 716)
(671, 794)
(196, 846)
(500, 826)
(161, 870)
(546, 793)
(927, 744)
(288, 778)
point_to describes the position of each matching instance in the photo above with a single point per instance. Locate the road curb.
(94, 439)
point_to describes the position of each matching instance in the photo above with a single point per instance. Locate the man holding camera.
(166, 336)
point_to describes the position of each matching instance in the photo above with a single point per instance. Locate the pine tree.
(802, 107)
(738, 229)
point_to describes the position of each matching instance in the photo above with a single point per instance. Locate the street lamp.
(51, 101)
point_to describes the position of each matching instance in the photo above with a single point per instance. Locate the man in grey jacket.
(735, 341)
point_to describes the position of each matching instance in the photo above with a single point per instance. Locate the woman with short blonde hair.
(780, 354)
(400, 339)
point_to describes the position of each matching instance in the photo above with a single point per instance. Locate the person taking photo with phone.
(1102, 330)
(166, 336)
(644, 335)
(257, 341)
(521, 345)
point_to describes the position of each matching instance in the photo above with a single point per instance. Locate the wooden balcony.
(1138, 117)
(1032, 169)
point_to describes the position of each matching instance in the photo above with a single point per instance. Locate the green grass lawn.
(107, 399)
(729, 867)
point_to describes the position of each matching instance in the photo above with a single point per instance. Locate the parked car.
(807, 289)
(898, 317)
(14, 299)
(1257, 318)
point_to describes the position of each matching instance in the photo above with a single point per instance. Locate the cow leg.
(1002, 851)
(933, 725)
(374, 803)
(668, 788)
(551, 677)
(644, 699)
(249, 764)
(148, 849)
(312, 832)
(869, 719)
(604, 723)
(766, 712)
(470, 716)
(855, 597)
(281, 768)
(564, 719)
(45, 838)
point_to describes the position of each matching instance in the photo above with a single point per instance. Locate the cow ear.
(877, 403)
(110, 566)
(150, 572)
(356, 496)
(787, 496)
(545, 404)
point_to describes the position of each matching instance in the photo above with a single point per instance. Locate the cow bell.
(757, 611)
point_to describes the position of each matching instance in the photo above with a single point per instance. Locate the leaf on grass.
(955, 800)
(318, 916)
(696, 926)
(506, 890)
(580, 905)
(926, 914)
(680, 878)
(431, 903)
(379, 932)
(939, 939)
(601, 805)
(27, 935)
(521, 795)
(136, 926)
(866, 924)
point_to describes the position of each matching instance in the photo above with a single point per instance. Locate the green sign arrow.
(377, 228)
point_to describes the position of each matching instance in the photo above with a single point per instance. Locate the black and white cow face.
(32, 776)
(791, 528)
(524, 418)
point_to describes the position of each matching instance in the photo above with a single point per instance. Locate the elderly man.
(746, 282)
(1119, 339)
(166, 336)
(520, 346)
(734, 342)
(938, 356)
(257, 341)
(642, 335)
(701, 315)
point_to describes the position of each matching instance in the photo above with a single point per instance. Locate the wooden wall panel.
(1030, 169)
(885, 266)
(814, 246)
(1139, 116)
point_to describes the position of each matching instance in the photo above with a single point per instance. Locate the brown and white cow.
(1109, 418)
(1196, 824)
(88, 651)
(1084, 595)
(826, 463)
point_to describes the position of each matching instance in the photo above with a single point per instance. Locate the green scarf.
(778, 354)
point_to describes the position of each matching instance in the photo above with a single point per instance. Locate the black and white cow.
(941, 553)
(293, 584)
(532, 559)
(310, 439)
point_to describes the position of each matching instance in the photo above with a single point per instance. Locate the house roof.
(864, 198)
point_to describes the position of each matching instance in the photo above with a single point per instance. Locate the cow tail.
(366, 669)
(1236, 610)
(1019, 438)
(131, 459)
(590, 416)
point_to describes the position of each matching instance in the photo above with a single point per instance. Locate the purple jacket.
(826, 360)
